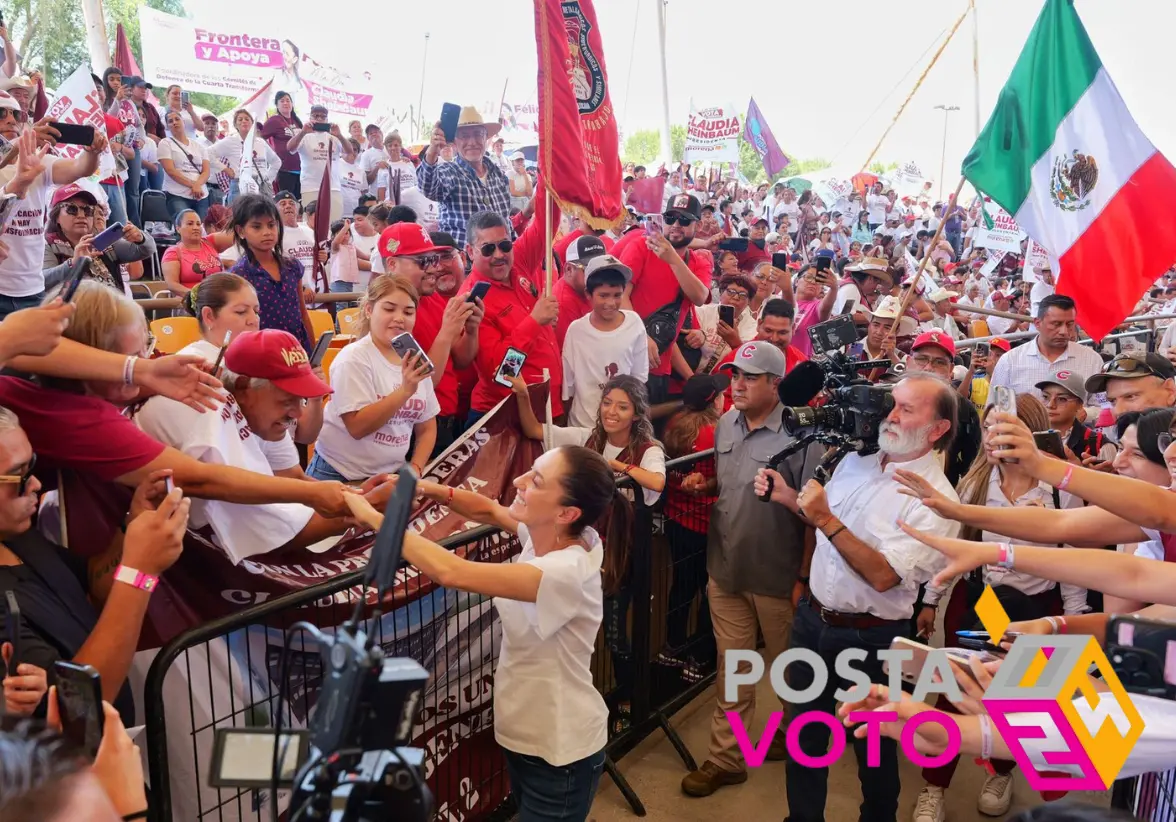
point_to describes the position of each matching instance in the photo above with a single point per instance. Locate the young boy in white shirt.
(602, 344)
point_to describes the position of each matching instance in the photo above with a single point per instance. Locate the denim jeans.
(131, 187)
(320, 469)
(155, 178)
(807, 787)
(10, 304)
(176, 204)
(546, 793)
(117, 202)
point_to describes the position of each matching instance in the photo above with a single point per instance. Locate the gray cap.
(607, 262)
(758, 357)
(1072, 381)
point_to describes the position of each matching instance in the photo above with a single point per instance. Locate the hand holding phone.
(72, 134)
(185, 99)
(79, 702)
(512, 366)
(478, 292)
(727, 314)
(1050, 442)
(320, 348)
(108, 236)
(655, 224)
(450, 116)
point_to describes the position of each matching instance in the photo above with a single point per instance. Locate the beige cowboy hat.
(877, 266)
(470, 116)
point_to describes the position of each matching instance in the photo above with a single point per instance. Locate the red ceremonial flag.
(579, 153)
(124, 58)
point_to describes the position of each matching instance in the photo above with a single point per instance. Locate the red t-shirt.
(428, 326)
(113, 127)
(793, 356)
(93, 444)
(572, 306)
(689, 510)
(635, 235)
(654, 286)
(508, 322)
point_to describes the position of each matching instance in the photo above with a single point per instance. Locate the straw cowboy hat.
(876, 266)
(470, 116)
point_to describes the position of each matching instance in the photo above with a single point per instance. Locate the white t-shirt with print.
(368, 246)
(360, 376)
(592, 357)
(188, 160)
(312, 153)
(298, 242)
(352, 183)
(21, 273)
(654, 460)
(224, 438)
(408, 179)
(545, 703)
(281, 455)
(367, 160)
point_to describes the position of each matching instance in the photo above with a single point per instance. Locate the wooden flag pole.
(910, 295)
(549, 260)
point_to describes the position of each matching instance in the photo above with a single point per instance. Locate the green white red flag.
(1062, 154)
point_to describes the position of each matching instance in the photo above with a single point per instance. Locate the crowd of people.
(663, 335)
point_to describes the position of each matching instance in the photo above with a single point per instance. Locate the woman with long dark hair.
(277, 131)
(186, 168)
(195, 256)
(548, 716)
(277, 279)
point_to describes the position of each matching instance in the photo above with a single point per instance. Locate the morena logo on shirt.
(295, 356)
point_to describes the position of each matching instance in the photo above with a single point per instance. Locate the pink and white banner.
(202, 56)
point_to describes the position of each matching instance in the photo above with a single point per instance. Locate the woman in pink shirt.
(811, 306)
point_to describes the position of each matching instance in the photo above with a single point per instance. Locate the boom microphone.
(801, 384)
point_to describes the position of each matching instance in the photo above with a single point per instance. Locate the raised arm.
(528, 422)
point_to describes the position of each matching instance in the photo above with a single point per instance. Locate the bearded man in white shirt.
(865, 578)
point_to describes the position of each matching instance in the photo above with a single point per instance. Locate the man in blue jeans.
(865, 577)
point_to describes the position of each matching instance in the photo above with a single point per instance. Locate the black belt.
(839, 619)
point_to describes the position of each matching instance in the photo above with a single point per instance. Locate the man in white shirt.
(297, 238)
(866, 573)
(373, 157)
(672, 188)
(315, 148)
(208, 136)
(605, 343)
(877, 205)
(497, 156)
(22, 279)
(1051, 352)
(268, 375)
(1043, 286)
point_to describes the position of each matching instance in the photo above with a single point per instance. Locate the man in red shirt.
(518, 315)
(446, 327)
(569, 290)
(775, 326)
(668, 278)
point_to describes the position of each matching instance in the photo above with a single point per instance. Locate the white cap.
(8, 101)
(887, 309)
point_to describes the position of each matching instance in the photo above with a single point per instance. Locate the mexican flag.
(1062, 154)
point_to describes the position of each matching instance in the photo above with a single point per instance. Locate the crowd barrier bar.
(642, 695)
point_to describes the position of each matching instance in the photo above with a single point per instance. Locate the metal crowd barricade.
(1150, 797)
(205, 679)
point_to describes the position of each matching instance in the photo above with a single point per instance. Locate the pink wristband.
(135, 578)
(1069, 475)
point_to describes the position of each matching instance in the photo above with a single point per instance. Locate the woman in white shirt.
(231, 150)
(1023, 595)
(185, 169)
(226, 306)
(381, 401)
(548, 716)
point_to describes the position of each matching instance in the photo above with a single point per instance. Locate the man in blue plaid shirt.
(471, 183)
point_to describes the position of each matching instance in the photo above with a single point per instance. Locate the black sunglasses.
(23, 478)
(504, 246)
(677, 219)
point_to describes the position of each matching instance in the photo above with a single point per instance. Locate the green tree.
(677, 142)
(641, 147)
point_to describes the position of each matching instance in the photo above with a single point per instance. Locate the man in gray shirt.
(756, 556)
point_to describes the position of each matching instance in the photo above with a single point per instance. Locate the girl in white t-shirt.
(381, 401)
(549, 718)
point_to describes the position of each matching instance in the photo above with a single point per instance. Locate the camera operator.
(753, 581)
(865, 576)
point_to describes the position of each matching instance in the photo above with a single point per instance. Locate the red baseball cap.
(72, 190)
(277, 356)
(1001, 343)
(937, 338)
(407, 239)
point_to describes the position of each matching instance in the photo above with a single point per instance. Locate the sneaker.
(929, 805)
(671, 658)
(709, 778)
(996, 795)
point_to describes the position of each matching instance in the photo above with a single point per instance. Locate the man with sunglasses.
(471, 183)
(22, 280)
(668, 279)
(1136, 382)
(70, 612)
(518, 315)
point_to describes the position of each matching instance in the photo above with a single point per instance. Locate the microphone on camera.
(801, 384)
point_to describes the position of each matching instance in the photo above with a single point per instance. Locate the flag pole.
(548, 260)
(910, 295)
